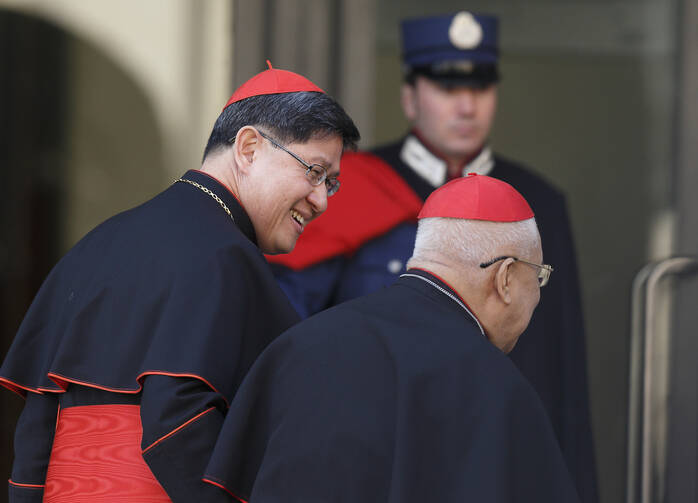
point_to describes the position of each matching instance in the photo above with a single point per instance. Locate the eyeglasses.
(544, 270)
(315, 172)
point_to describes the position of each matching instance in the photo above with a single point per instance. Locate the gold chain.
(210, 193)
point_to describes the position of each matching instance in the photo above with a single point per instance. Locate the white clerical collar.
(435, 170)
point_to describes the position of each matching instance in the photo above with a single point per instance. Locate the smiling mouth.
(298, 217)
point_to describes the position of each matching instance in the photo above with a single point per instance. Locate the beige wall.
(146, 82)
(178, 51)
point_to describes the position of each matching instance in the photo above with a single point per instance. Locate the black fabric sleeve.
(23, 494)
(33, 440)
(181, 419)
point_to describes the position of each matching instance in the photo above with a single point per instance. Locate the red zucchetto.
(477, 197)
(273, 81)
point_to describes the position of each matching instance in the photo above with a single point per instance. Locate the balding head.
(502, 296)
(471, 242)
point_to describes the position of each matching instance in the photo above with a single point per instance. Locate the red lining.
(224, 488)
(60, 383)
(43, 391)
(58, 417)
(17, 388)
(175, 374)
(176, 429)
(63, 381)
(30, 486)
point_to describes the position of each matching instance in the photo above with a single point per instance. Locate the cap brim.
(464, 80)
(481, 76)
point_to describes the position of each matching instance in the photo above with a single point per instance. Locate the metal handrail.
(644, 298)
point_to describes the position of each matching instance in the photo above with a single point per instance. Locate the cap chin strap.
(434, 169)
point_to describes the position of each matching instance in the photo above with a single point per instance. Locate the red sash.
(96, 457)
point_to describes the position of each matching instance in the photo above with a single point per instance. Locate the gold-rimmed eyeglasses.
(544, 270)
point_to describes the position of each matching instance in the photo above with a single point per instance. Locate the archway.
(79, 141)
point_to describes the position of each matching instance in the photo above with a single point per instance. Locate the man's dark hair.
(289, 117)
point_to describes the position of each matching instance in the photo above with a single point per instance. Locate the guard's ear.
(247, 142)
(502, 280)
(408, 96)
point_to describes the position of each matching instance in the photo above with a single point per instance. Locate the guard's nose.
(465, 101)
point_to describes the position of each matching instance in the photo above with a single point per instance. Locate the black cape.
(172, 287)
(395, 397)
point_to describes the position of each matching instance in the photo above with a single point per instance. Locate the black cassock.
(158, 312)
(395, 397)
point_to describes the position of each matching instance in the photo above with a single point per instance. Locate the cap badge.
(465, 32)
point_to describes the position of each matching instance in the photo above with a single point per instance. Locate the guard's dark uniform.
(150, 321)
(396, 397)
(367, 235)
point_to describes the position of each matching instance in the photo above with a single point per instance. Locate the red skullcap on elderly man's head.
(273, 81)
(477, 197)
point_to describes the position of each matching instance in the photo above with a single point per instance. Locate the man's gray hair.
(472, 241)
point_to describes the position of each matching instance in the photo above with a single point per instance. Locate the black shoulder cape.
(171, 287)
(396, 397)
